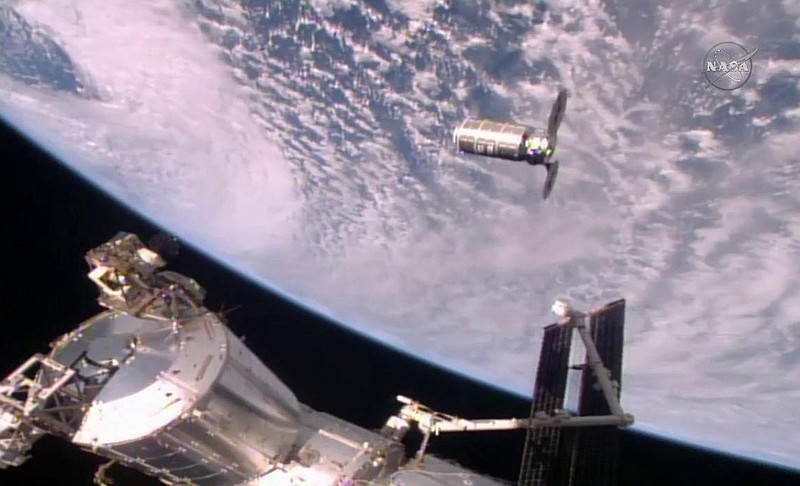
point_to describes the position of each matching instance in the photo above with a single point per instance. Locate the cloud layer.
(325, 170)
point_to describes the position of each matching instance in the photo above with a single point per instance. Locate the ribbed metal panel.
(543, 445)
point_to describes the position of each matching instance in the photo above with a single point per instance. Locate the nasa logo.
(728, 65)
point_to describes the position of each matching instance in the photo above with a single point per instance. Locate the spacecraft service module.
(515, 142)
(157, 382)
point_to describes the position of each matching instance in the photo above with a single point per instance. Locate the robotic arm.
(431, 422)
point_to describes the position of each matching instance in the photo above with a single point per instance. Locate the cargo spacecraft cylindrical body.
(493, 139)
(187, 403)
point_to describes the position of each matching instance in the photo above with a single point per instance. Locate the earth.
(307, 145)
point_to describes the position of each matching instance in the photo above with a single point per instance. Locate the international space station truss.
(158, 382)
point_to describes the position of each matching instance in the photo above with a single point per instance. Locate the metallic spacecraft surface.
(511, 141)
(189, 403)
(157, 382)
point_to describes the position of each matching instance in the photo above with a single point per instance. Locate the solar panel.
(543, 446)
(606, 326)
(575, 456)
(596, 449)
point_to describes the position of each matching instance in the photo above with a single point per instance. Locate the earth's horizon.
(432, 361)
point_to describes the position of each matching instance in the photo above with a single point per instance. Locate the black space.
(50, 217)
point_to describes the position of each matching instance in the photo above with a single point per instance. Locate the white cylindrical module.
(493, 139)
(187, 403)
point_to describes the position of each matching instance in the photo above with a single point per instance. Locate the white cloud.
(699, 232)
(171, 123)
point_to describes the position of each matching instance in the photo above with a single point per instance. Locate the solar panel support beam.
(600, 371)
